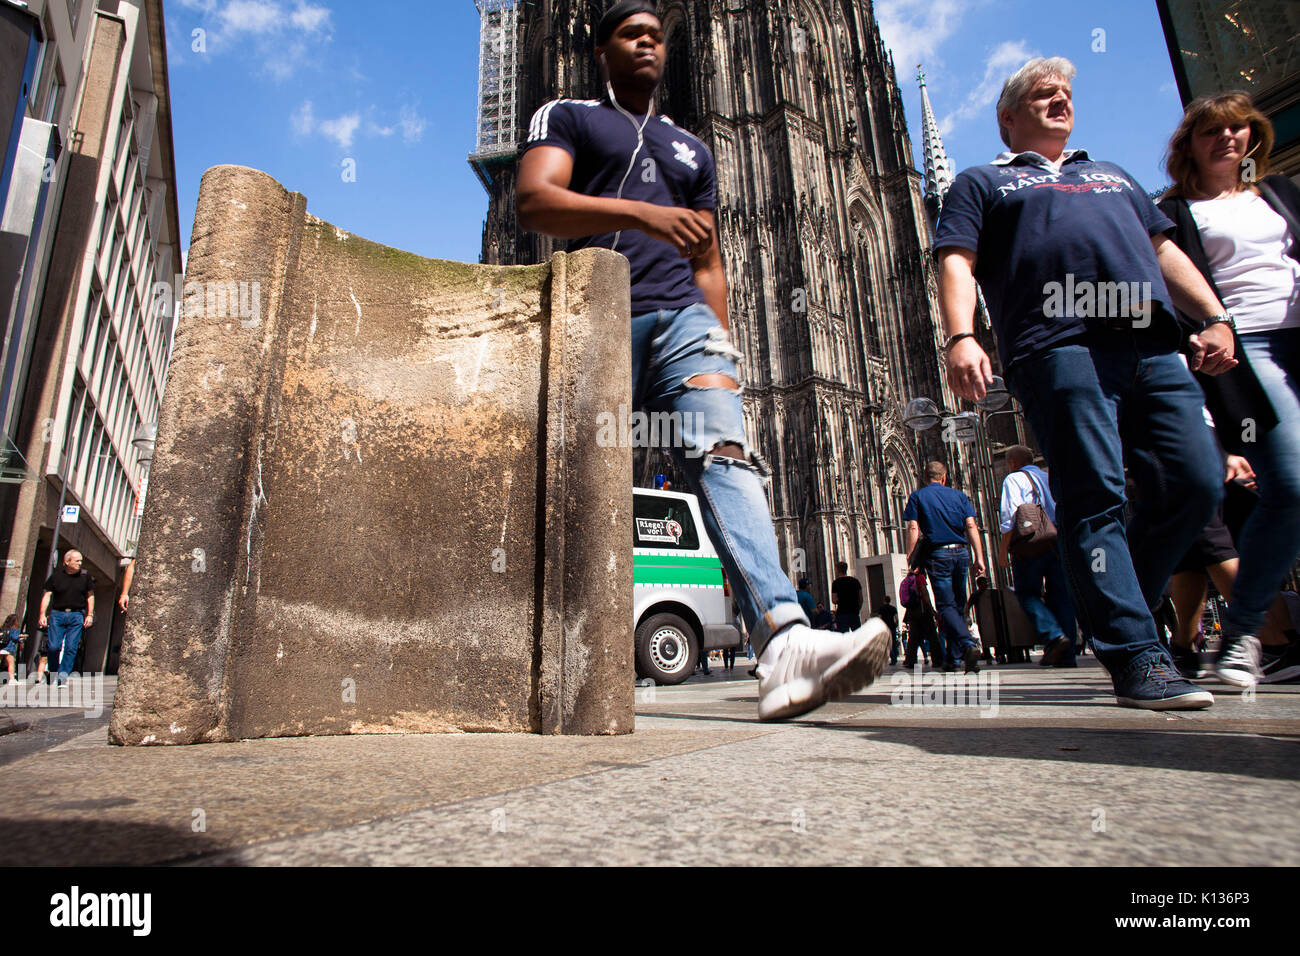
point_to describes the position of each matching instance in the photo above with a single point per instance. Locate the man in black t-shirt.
(846, 592)
(67, 608)
(611, 173)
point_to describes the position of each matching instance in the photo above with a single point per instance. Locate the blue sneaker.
(1151, 682)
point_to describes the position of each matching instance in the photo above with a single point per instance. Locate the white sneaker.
(811, 667)
(1237, 662)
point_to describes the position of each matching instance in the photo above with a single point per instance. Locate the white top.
(1018, 487)
(1246, 243)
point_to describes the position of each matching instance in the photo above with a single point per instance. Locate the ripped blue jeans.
(668, 348)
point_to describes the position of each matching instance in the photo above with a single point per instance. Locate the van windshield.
(663, 523)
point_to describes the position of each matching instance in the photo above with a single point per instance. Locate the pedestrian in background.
(922, 634)
(10, 633)
(846, 594)
(128, 576)
(806, 600)
(946, 519)
(67, 609)
(822, 619)
(1053, 619)
(729, 653)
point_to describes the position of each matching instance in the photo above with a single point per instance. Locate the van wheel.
(666, 648)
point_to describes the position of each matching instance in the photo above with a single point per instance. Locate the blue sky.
(298, 87)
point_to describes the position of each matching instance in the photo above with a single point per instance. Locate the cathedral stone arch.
(821, 76)
(677, 98)
(901, 471)
(869, 249)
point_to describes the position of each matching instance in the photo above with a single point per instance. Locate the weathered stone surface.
(378, 506)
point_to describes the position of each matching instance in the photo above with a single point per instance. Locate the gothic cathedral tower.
(823, 230)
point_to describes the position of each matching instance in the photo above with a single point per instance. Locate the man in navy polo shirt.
(608, 172)
(1081, 281)
(947, 519)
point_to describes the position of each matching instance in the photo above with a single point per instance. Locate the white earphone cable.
(640, 141)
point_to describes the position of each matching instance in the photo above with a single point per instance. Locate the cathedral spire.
(938, 168)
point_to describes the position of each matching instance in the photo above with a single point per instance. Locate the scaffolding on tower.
(498, 72)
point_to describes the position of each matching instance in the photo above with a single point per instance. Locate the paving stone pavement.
(1035, 767)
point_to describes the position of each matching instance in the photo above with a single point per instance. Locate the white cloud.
(250, 16)
(282, 37)
(412, 125)
(310, 18)
(281, 62)
(913, 30)
(342, 129)
(1006, 58)
(303, 121)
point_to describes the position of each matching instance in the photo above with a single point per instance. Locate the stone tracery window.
(677, 94)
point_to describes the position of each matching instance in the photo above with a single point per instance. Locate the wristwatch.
(954, 339)
(1226, 318)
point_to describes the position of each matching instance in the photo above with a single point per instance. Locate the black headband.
(617, 14)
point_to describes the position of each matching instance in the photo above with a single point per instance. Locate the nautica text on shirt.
(1024, 182)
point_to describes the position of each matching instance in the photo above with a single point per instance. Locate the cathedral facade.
(823, 231)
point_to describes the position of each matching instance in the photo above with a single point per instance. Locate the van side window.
(663, 524)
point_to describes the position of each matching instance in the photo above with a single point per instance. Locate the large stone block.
(377, 503)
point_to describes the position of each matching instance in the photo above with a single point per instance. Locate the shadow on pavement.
(78, 841)
(1235, 754)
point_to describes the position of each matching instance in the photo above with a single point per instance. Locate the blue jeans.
(65, 634)
(668, 348)
(1086, 399)
(1270, 539)
(948, 569)
(1056, 615)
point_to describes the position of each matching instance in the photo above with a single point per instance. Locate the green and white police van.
(681, 604)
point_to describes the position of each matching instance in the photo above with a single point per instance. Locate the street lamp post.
(146, 435)
(143, 440)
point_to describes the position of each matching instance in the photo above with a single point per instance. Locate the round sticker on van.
(659, 530)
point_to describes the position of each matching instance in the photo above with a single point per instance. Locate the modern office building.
(1250, 45)
(86, 342)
